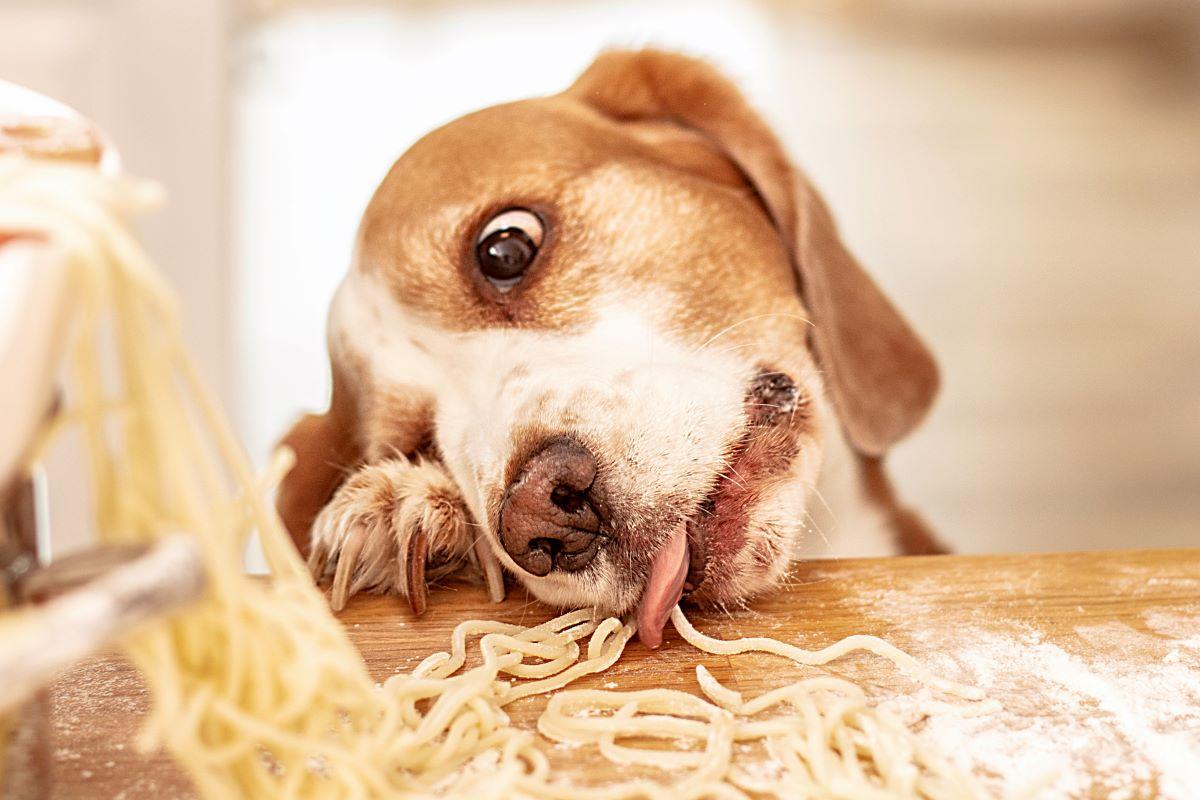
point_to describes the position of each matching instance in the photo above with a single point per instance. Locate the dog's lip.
(761, 453)
(702, 521)
(704, 524)
(697, 555)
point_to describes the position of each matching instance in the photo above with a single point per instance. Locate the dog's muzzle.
(549, 519)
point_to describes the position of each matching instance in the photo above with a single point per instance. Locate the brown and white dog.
(610, 342)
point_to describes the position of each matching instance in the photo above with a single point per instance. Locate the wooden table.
(1094, 658)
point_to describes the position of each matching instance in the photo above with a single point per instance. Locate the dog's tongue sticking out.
(663, 588)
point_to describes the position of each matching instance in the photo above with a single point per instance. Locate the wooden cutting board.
(1093, 659)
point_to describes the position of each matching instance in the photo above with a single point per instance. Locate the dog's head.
(625, 324)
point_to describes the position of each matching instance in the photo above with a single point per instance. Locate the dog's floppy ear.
(327, 449)
(882, 378)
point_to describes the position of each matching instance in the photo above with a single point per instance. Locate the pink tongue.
(664, 587)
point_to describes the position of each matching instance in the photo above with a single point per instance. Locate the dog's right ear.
(879, 373)
(327, 449)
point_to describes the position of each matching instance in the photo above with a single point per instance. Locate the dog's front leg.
(392, 526)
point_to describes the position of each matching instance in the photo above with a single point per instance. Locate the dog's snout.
(771, 395)
(549, 519)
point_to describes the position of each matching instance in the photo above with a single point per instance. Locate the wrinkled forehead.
(644, 212)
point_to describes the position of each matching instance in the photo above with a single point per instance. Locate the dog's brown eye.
(507, 246)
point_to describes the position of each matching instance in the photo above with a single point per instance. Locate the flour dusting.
(1073, 711)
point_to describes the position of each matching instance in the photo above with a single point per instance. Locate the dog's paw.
(391, 527)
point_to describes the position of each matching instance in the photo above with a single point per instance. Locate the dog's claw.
(493, 576)
(347, 561)
(414, 565)
(318, 559)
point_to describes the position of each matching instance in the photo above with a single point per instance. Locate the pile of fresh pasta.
(257, 692)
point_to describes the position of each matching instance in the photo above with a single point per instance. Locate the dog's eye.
(507, 246)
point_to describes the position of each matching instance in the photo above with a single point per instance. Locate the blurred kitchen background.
(1022, 176)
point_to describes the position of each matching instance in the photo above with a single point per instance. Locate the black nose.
(548, 519)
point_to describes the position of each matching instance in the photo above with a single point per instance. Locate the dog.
(608, 342)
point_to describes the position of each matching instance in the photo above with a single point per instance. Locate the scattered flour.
(1184, 629)
(1068, 723)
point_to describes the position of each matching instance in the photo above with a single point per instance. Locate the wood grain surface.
(1093, 661)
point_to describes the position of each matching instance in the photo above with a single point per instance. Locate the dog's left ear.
(882, 378)
(327, 450)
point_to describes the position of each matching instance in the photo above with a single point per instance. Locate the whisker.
(729, 328)
(741, 482)
(817, 492)
(813, 523)
(729, 349)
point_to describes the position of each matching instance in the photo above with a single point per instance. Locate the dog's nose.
(549, 519)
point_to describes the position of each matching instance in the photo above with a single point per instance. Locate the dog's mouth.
(717, 529)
